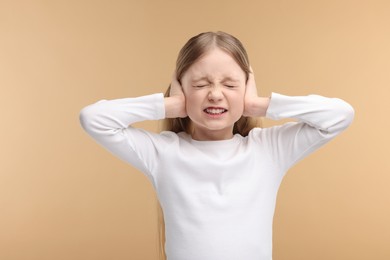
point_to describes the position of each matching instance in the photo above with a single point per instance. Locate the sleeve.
(108, 122)
(319, 119)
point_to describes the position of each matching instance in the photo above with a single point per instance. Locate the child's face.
(214, 88)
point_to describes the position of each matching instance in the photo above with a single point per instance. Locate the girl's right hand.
(175, 104)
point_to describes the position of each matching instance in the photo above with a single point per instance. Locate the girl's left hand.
(254, 106)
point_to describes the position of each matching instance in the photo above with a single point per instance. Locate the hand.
(175, 105)
(254, 106)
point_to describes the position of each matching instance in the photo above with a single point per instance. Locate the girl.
(216, 175)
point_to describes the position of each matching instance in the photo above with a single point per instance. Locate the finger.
(175, 85)
(251, 84)
(175, 80)
(251, 76)
(251, 79)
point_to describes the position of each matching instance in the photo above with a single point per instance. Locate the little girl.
(215, 173)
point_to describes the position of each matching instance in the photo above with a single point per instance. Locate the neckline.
(214, 143)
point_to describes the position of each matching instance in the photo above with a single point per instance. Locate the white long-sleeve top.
(218, 197)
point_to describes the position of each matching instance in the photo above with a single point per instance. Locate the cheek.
(192, 102)
(240, 107)
(239, 103)
(240, 96)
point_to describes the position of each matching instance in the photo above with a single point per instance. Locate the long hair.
(192, 51)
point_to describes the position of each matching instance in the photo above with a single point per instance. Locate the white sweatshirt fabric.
(218, 197)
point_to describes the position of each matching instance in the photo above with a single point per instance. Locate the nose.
(215, 94)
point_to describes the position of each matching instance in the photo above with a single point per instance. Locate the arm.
(325, 114)
(108, 122)
(329, 116)
(319, 119)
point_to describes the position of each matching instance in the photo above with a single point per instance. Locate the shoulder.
(266, 134)
(171, 139)
(142, 136)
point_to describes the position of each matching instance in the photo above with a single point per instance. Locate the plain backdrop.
(64, 197)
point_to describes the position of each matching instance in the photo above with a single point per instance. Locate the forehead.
(216, 63)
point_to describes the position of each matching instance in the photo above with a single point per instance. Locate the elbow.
(350, 114)
(90, 117)
(340, 117)
(85, 118)
(346, 114)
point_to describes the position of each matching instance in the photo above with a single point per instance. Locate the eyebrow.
(230, 79)
(199, 79)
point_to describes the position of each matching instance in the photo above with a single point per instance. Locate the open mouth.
(215, 111)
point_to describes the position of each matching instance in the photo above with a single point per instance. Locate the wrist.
(174, 107)
(256, 107)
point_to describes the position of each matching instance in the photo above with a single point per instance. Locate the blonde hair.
(194, 49)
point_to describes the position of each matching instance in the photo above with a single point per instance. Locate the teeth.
(215, 110)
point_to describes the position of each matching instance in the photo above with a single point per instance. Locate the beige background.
(63, 197)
